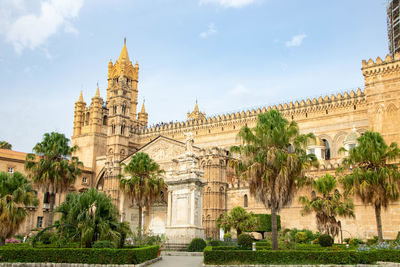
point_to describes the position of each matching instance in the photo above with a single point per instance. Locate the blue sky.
(228, 54)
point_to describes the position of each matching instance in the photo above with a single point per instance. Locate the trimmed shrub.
(325, 240)
(17, 245)
(245, 241)
(197, 245)
(81, 255)
(225, 248)
(103, 244)
(286, 257)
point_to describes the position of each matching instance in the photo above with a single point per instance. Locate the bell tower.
(122, 94)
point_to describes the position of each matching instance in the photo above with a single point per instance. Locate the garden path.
(178, 261)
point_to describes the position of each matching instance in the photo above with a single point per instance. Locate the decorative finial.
(124, 40)
(143, 110)
(97, 91)
(80, 97)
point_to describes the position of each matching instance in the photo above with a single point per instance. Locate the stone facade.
(109, 132)
(42, 215)
(337, 120)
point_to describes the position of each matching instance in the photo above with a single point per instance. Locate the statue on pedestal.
(189, 142)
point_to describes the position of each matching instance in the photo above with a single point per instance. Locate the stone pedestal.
(185, 201)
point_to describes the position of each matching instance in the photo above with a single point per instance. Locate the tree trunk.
(274, 229)
(379, 222)
(140, 221)
(238, 232)
(2, 242)
(262, 235)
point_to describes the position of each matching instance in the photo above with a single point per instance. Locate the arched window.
(123, 109)
(327, 150)
(114, 109)
(113, 129)
(123, 129)
(87, 118)
(46, 198)
(105, 120)
(246, 201)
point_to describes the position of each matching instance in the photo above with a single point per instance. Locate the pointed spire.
(124, 54)
(81, 97)
(143, 109)
(97, 91)
(196, 107)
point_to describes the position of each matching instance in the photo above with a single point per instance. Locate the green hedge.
(225, 248)
(80, 255)
(290, 257)
(262, 245)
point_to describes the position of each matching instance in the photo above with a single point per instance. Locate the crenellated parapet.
(292, 110)
(371, 69)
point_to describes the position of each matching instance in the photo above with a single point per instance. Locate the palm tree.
(273, 160)
(144, 183)
(55, 169)
(15, 194)
(373, 176)
(90, 217)
(327, 205)
(239, 219)
(5, 145)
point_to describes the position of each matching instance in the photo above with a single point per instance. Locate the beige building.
(42, 215)
(109, 132)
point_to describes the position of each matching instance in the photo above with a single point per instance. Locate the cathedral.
(109, 132)
(195, 152)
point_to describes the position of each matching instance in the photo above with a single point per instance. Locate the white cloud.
(25, 25)
(297, 40)
(228, 3)
(239, 90)
(210, 31)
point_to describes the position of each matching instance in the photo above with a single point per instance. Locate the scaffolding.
(393, 25)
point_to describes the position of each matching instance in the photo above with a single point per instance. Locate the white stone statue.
(189, 142)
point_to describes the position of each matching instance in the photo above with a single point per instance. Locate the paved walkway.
(179, 261)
